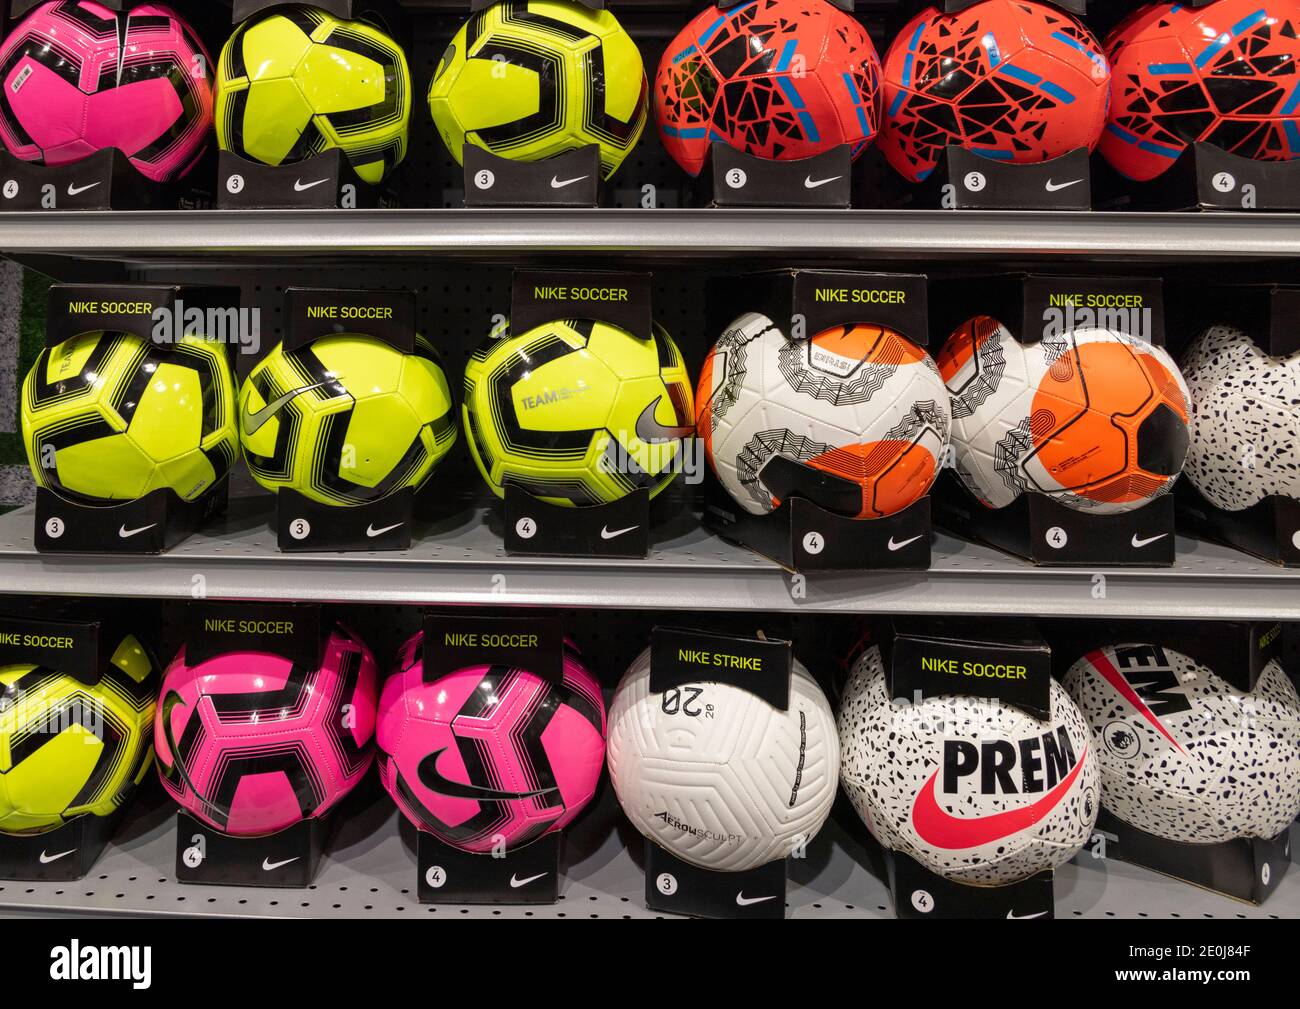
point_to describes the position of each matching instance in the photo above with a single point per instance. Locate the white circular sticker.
(526, 528)
(11, 188)
(1265, 873)
(235, 184)
(1056, 538)
(436, 877)
(300, 529)
(922, 901)
(736, 178)
(1224, 182)
(193, 857)
(666, 883)
(814, 543)
(974, 181)
(54, 527)
(1295, 539)
(484, 179)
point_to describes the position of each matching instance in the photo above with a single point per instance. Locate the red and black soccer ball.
(777, 79)
(1227, 74)
(1010, 80)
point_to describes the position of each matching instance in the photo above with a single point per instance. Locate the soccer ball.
(976, 790)
(1094, 418)
(1223, 74)
(251, 743)
(529, 80)
(1245, 424)
(777, 79)
(578, 412)
(78, 78)
(1184, 755)
(1007, 79)
(346, 419)
(110, 417)
(490, 756)
(716, 775)
(66, 748)
(858, 402)
(298, 81)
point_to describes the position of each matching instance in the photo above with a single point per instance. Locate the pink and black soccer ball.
(76, 78)
(490, 756)
(251, 743)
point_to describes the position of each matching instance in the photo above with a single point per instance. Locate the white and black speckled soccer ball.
(1184, 755)
(1245, 420)
(974, 789)
(716, 775)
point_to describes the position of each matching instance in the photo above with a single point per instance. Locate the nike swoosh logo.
(1138, 544)
(432, 779)
(268, 865)
(952, 833)
(557, 183)
(743, 901)
(650, 430)
(899, 546)
(47, 859)
(612, 534)
(255, 419)
(1020, 917)
(299, 187)
(1115, 678)
(810, 183)
(78, 190)
(126, 533)
(1053, 187)
(372, 532)
(516, 882)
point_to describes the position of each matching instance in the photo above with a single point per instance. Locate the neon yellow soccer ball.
(66, 748)
(299, 81)
(531, 80)
(110, 417)
(346, 419)
(578, 412)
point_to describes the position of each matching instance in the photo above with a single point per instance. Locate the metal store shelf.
(789, 235)
(462, 561)
(369, 871)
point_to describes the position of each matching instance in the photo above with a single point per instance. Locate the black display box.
(1266, 313)
(1032, 307)
(671, 884)
(157, 314)
(815, 528)
(1247, 869)
(1206, 177)
(571, 179)
(964, 180)
(732, 178)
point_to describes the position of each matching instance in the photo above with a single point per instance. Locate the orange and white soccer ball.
(858, 402)
(1095, 418)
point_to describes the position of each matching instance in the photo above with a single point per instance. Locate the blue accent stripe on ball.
(1292, 132)
(787, 54)
(1164, 69)
(1209, 52)
(1292, 101)
(1076, 44)
(1011, 70)
(1249, 22)
(709, 32)
(991, 47)
(1057, 92)
(993, 154)
(1150, 146)
(683, 54)
(686, 133)
(791, 92)
(897, 103)
(910, 58)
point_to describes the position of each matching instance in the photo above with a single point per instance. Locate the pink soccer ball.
(78, 77)
(251, 743)
(490, 756)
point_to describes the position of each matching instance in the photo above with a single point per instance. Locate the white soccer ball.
(859, 402)
(975, 790)
(1245, 425)
(1094, 418)
(1184, 755)
(717, 776)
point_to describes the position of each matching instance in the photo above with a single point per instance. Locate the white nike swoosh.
(607, 533)
(298, 186)
(899, 546)
(254, 420)
(1018, 917)
(268, 865)
(1052, 187)
(372, 532)
(1138, 544)
(556, 183)
(47, 859)
(810, 183)
(78, 190)
(516, 882)
(743, 901)
(126, 533)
